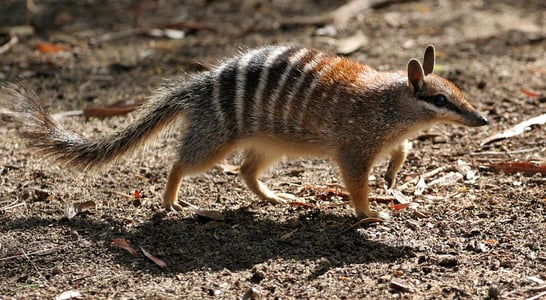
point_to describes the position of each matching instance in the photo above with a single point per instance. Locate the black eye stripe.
(448, 104)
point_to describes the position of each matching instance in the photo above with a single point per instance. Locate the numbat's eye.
(440, 100)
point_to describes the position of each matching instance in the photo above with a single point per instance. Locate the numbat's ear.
(416, 75)
(428, 61)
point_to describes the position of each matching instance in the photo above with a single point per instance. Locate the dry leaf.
(466, 170)
(209, 214)
(156, 260)
(351, 44)
(515, 130)
(448, 179)
(300, 204)
(49, 48)
(66, 295)
(251, 294)
(526, 168)
(399, 206)
(118, 108)
(529, 93)
(420, 187)
(398, 196)
(401, 286)
(174, 34)
(72, 209)
(123, 244)
(81, 206)
(343, 14)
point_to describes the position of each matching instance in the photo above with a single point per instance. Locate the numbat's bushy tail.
(271, 102)
(53, 140)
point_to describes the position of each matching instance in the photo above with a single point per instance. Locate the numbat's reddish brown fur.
(271, 102)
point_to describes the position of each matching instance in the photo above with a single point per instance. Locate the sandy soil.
(472, 238)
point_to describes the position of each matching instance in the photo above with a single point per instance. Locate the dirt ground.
(477, 237)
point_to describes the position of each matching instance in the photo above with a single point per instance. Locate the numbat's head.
(439, 97)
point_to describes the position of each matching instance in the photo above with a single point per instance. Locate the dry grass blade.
(362, 222)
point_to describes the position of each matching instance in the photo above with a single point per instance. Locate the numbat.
(272, 102)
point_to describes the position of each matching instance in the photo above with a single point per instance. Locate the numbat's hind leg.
(173, 185)
(255, 162)
(196, 156)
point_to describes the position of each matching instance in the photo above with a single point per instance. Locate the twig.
(33, 265)
(121, 194)
(39, 252)
(426, 176)
(496, 153)
(115, 35)
(12, 205)
(361, 222)
(537, 296)
(12, 41)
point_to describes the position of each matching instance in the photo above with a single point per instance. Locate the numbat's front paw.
(173, 207)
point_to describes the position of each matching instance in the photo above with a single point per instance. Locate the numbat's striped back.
(269, 89)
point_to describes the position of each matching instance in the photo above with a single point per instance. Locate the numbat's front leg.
(398, 156)
(355, 171)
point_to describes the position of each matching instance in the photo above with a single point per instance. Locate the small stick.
(12, 41)
(537, 296)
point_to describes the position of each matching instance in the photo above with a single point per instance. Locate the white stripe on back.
(216, 96)
(239, 101)
(257, 111)
(290, 97)
(310, 89)
(292, 63)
